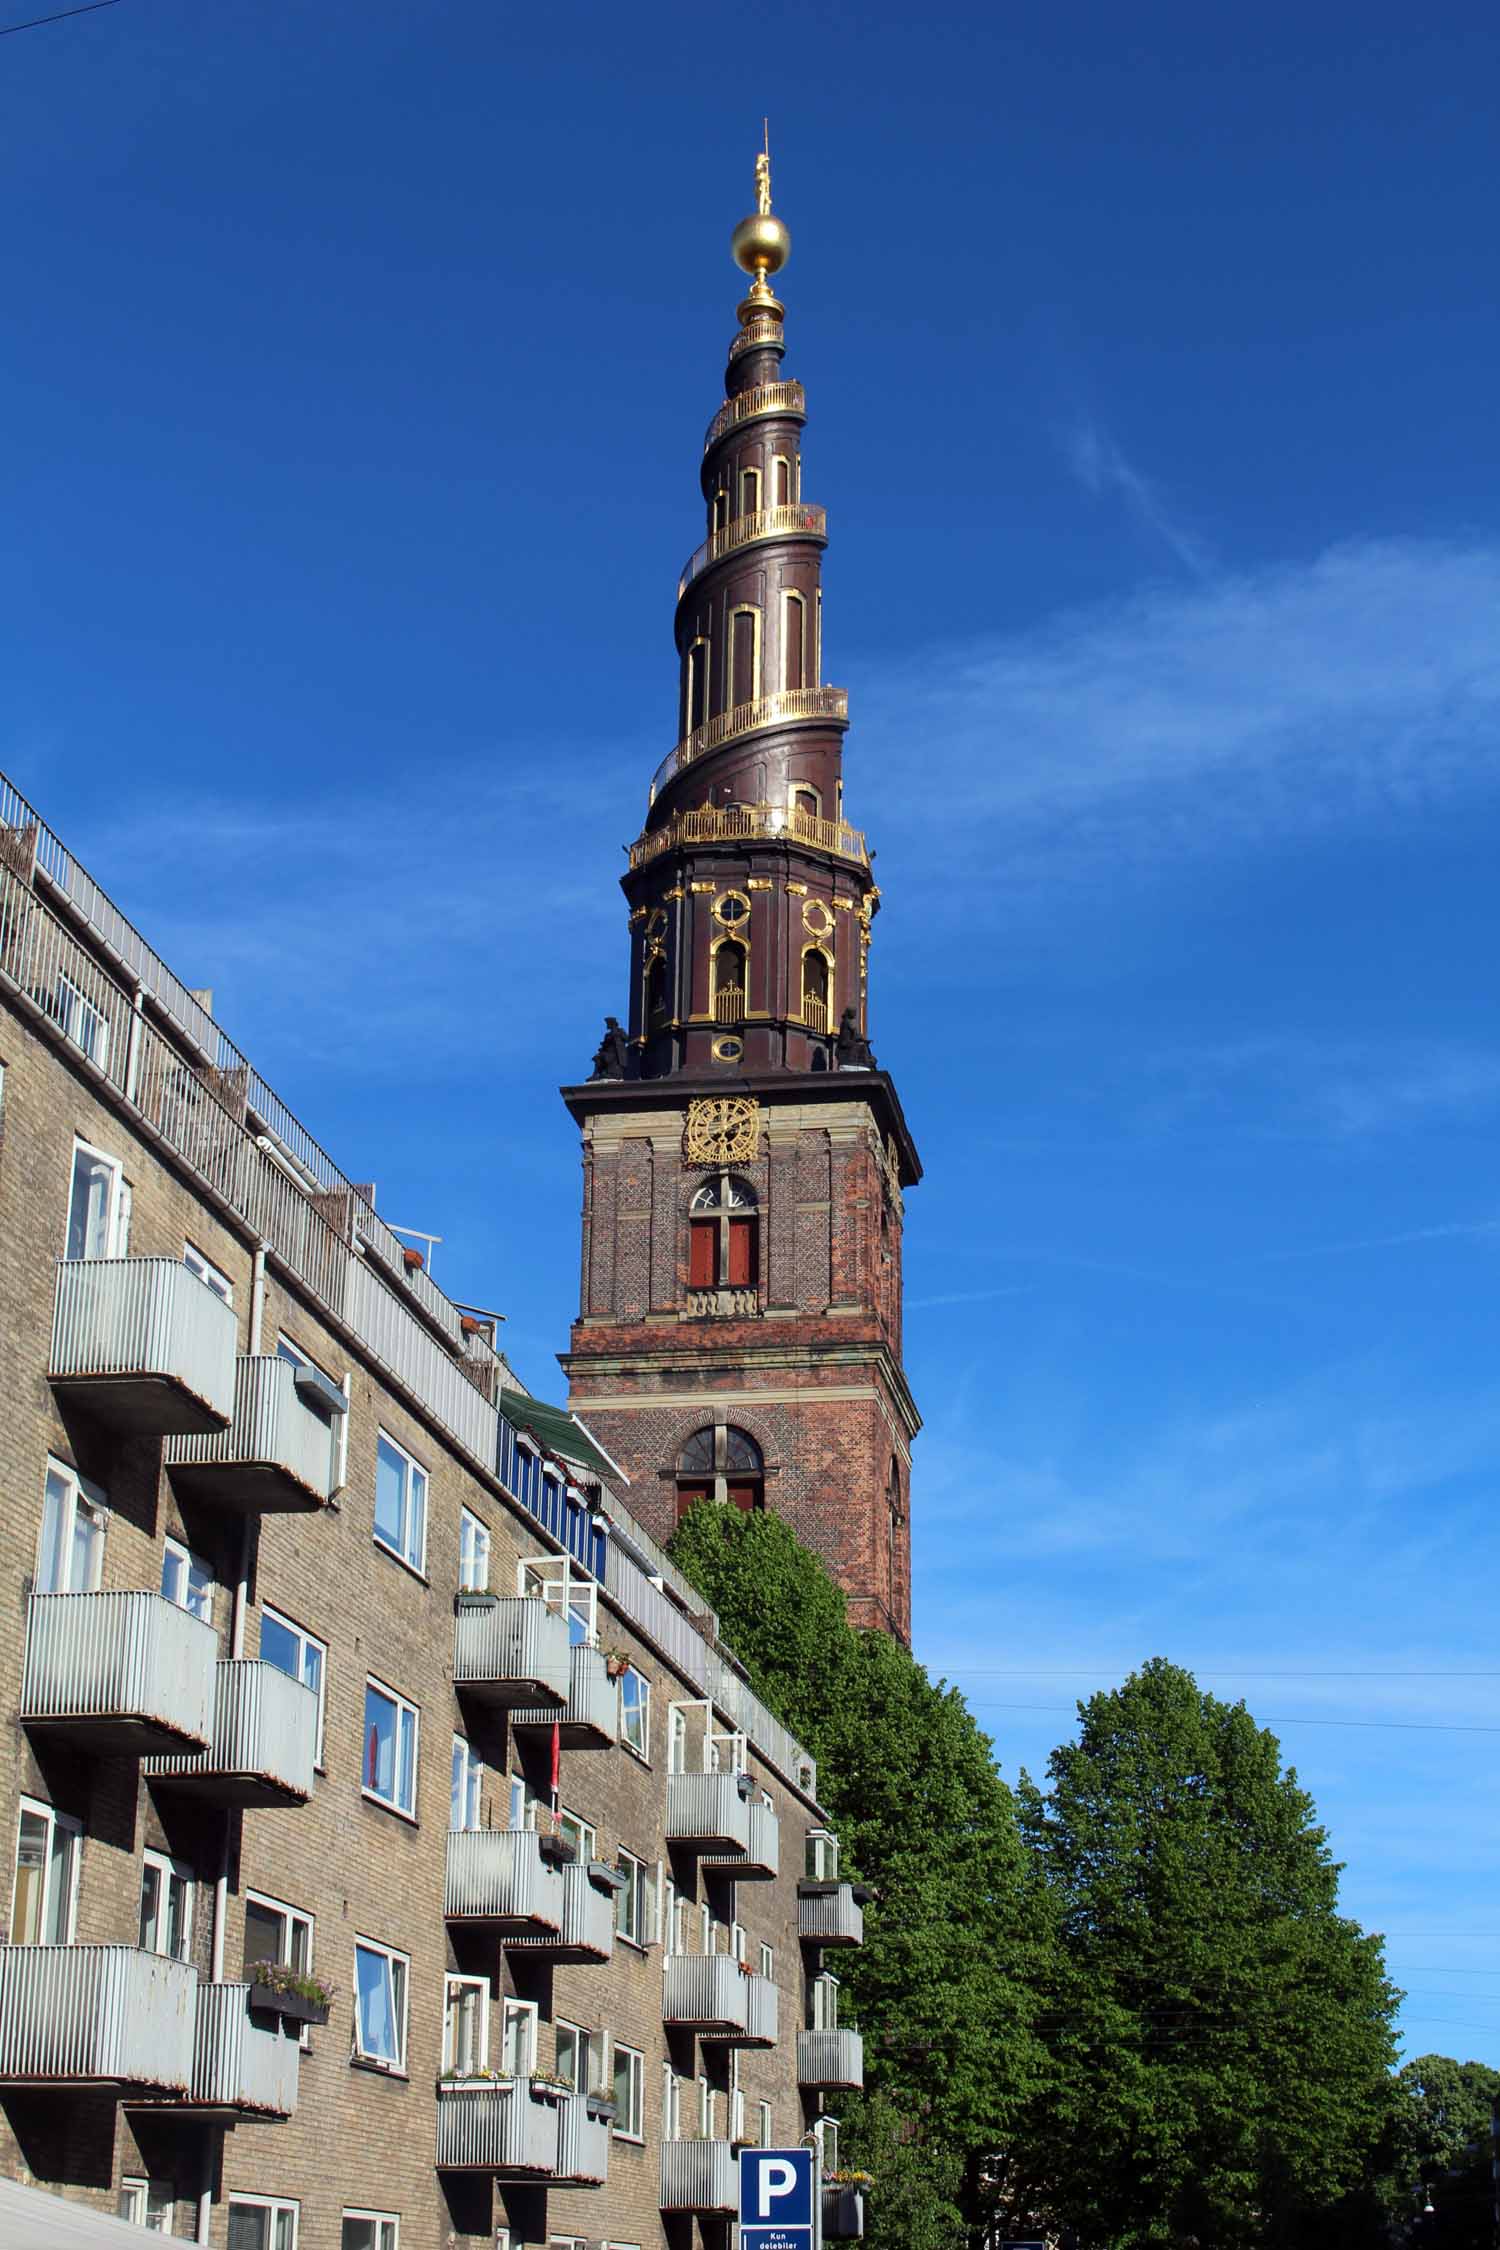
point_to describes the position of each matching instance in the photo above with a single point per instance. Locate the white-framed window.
(44, 1898)
(580, 2057)
(524, 1805)
(632, 1919)
(826, 2131)
(671, 2104)
(671, 1920)
(148, 2203)
(279, 1934)
(294, 1650)
(338, 1423)
(578, 1832)
(187, 1580)
(739, 1943)
(766, 2140)
(635, 1712)
(70, 1550)
(98, 1205)
(380, 1982)
(767, 1961)
(567, 1591)
(630, 2093)
(822, 1856)
(207, 1272)
(81, 1021)
(705, 2110)
(400, 1503)
(518, 2037)
(736, 2098)
(824, 1998)
(473, 1553)
(166, 1906)
(390, 1748)
(466, 2025)
(705, 1927)
(370, 2230)
(676, 1738)
(262, 2222)
(467, 1787)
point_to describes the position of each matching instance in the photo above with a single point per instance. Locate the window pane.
(57, 1524)
(390, 1495)
(88, 1209)
(250, 2227)
(280, 1646)
(406, 1795)
(570, 2056)
(265, 1933)
(61, 1882)
(377, 2009)
(31, 1880)
(380, 1743)
(83, 1567)
(416, 1530)
(150, 1907)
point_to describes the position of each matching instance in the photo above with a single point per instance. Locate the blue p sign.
(776, 2198)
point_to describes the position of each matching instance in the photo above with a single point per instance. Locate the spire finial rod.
(763, 174)
(761, 243)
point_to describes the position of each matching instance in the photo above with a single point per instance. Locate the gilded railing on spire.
(766, 398)
(728, 824)
(769, 523)
(780, 709)
(760, 328)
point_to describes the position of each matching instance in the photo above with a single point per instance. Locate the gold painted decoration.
(722, 1130)
(816, 919)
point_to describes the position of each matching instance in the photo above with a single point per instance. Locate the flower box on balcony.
(602, 2107)
(604, 1877)
(467, 1600)
(556, 1850)
(304, 2001)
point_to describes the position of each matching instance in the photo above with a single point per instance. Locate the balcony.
(241, 2068)
(130, 1673)
(512, 1649)
(498, 1877)
(707, 1993)
(590, 1719)
(699, 2176)
(265, 1739)
(708, 1812)
(275, 1458)
(582, 2145)
(762, 1860)
(498, 2126)
(766, 398)
(588, 1918)
(829, 1914)
(762, 2014)
(97, 2015)
(843, 2214)
(832, 2060)
(790, 521)
(786, 707)
(732, 824)
(143, 1344)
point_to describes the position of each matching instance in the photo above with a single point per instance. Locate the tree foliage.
(1220, 2036)
(1441, 2153)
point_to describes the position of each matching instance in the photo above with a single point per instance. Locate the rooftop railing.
(728, 824)
(783, 708)
(794, 519)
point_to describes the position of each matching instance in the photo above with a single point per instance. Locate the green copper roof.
(555, 1428)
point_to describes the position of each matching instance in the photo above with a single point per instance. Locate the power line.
(1208, 1672)
(1268, 1719)
(34, 23)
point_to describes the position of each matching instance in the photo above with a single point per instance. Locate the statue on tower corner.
(609, 1059)
(851, 1049)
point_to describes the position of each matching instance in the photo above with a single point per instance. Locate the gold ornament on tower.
(761, 243)
(724, 1131)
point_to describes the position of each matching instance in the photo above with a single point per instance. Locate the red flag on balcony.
(556, 1766)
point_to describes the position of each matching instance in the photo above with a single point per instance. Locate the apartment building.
(399, 1858)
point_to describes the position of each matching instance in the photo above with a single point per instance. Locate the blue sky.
(357, 359)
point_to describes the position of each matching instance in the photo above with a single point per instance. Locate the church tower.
(744, 1158)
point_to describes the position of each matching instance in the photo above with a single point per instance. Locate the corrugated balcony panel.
(582, 2144)
(707, 1812)
(142, 1343)
(830, 2058)
(590, 1720)
(762, 2014)
(499, 2127)
(241, 2068)
(498, 1876)
(588, 1922)
(96, 2015)
(829, 1914)
(128, 1672)
(708, 1991)
(514, 1650)
(275, 1457)
(762, 1859)
(265, 1739)
(699, 2176)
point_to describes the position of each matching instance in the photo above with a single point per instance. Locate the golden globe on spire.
(761, 243)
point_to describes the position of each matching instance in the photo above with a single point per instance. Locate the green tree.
(1220, 2036)
(1441, 2153)
(941, 1986)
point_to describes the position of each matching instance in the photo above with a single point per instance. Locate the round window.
(728, 1050)
(732, 907)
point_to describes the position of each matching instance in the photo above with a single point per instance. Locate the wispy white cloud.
(1458, 1230)
(1343, 1090)
(1102, 469)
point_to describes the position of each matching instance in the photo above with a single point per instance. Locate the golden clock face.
(723, 1129)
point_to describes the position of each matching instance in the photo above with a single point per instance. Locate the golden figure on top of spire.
(762, 243)
(763, 175)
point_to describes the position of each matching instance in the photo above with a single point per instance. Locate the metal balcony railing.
(500, 2127)
(830, 2059)
(276, 1456)
(729, 1004)
(829, 1914)
(128, 1672)
(498, 1876)
(590, 1719)
(730, 824)
(792, 520)
(708, 1991)
(142, 1343)
(582, 2144)
(766, 398)
(698, 2176)
(762, 2014)
(708, 1812)
(762, 1858)
(782, 708)
(512, 1649)
(843, 2214)
(265, 1740)
(96, 2015)
(587, 1929)
(241, 2068)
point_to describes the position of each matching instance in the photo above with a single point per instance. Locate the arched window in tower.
(656, 990)
(815, 988)
(806, 803)
(721, 1463)
(721, 508)
(781, 482)
(793, 640)
(730, 969)
(749, 492)
(723, 1236)
(695, 686)
(744, 654)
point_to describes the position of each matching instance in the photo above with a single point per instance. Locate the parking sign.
(777, 2190)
